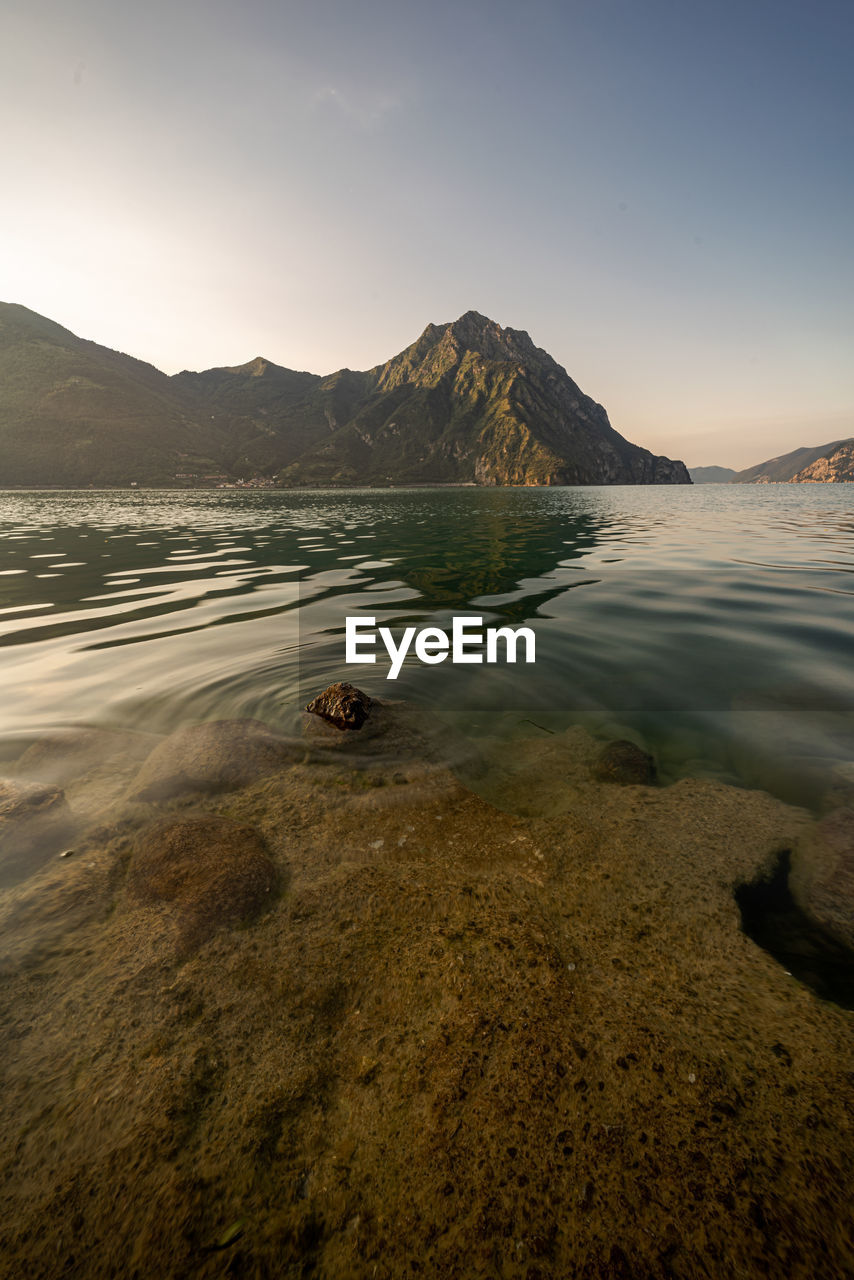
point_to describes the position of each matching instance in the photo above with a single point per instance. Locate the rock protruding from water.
(34, 821)
(220, 755)
(216, 872)
(626, 764)
(822, 876)
(342, 705)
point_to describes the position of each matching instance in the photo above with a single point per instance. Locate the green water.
(714, 624)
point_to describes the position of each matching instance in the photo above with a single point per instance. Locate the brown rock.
(68, 753)
(822, 875)
(343, 705)
(216, 872)
(624, 763)
(35, 821)
(220, 755)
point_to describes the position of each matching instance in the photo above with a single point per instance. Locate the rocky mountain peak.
(476, 332)
(253, 368)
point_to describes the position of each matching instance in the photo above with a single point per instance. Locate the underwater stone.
(67, 754)
(220, 755)
(624, 763)
(35, 821)
(822, 876)
(215, 871)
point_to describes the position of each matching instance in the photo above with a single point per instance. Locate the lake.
(714, 624)
(314, 1003)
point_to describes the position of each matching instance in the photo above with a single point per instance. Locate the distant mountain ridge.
(823, 464)
(467, 403)
(711, 475)
(833, 467)
(74, 413)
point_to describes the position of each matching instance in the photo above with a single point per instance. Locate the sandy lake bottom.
(381, 1003)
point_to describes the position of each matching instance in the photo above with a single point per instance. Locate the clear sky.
(660, 191)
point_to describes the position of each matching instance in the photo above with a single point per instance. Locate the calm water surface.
(714, 623)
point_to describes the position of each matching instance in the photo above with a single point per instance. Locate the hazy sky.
(660, 191)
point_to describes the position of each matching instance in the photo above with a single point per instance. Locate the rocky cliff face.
(470, 402)
(817, 465)
(836, 467)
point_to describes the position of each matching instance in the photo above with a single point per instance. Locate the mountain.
(75, 413)
(470, 402)
(467, 403)
(834, 467)
(273, 415)
(825, 462)
(711, 475)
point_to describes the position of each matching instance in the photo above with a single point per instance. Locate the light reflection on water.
(715, 621)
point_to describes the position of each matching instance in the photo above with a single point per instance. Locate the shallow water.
(714, 623)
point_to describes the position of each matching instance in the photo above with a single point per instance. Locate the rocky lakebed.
(373, 1001)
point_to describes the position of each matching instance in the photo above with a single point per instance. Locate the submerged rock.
(822, 875)
(69, 753)
(624, 763)
(343, 705)
(220, 755)
(35, 821)
(216, 872)
(837, 785)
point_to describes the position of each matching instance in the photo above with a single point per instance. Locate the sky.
(661, 192)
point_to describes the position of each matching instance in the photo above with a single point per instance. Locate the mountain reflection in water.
(714, 624)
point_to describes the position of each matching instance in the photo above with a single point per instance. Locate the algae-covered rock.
(342, 705)
(624, 763)
(216, 872)
(34, 821)
(220, 755)
(822, 876)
